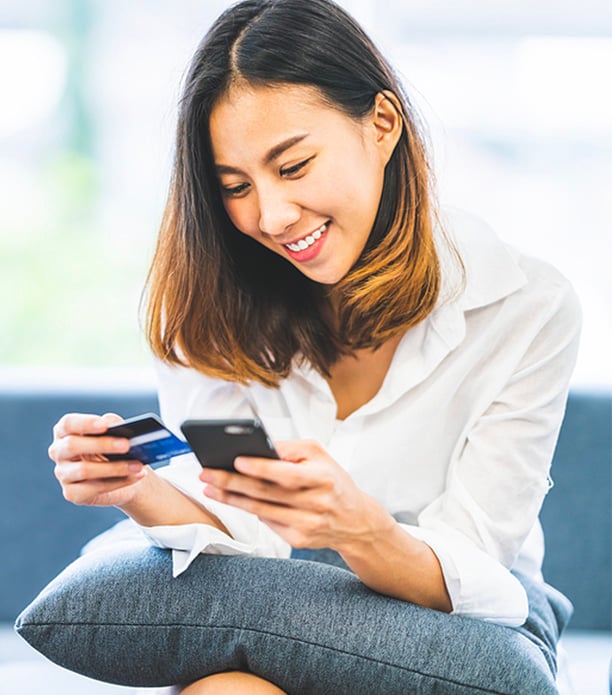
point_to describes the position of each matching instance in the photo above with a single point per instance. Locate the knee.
(234, 683)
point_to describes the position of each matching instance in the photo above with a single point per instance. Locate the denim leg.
(309, 627)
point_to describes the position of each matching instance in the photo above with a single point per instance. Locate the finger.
(301, 498)
(300, 528)
(84, 493)
(283, 473)
(72, 447)
(69, 473)
(265, 510)
(297, 450)
(111, 419)
(296, 537)
(81, 423)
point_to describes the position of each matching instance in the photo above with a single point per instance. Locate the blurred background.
(517, 97)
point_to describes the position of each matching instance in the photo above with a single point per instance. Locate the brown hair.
(222, 303)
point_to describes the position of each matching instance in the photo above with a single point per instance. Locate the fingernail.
(99, 424)
(135, 467)
(121, 445)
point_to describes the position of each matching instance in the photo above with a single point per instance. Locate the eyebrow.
(270, 156)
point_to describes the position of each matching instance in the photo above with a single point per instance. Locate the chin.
(325, 277)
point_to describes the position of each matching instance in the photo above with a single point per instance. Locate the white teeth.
(304, 243)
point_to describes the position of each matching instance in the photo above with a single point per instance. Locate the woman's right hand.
(86, 476)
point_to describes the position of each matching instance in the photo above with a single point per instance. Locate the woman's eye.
(290, 171)
(231, 191)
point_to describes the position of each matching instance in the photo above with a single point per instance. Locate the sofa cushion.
(40, 533)
(576, 513)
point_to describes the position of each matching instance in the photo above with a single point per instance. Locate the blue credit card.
(150, 440)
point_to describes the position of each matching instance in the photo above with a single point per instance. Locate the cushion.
(310, 628)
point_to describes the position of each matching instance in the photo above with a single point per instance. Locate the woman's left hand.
(306, 497)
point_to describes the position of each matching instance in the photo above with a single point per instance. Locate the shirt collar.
(488, 272)
(491, 269)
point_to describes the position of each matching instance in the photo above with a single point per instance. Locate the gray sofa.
(40, 533)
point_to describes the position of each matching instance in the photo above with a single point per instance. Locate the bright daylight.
(305, 343)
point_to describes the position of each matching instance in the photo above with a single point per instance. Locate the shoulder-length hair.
(225, 305)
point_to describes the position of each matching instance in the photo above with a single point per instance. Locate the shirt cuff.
(478, 585)
(187, 541)
(247, 534)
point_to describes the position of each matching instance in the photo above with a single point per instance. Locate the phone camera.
(238, 429)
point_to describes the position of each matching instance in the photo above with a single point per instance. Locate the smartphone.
(150, 440)
(216, 443)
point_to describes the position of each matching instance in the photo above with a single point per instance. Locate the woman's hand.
(306, 498)
(84, 473)
(311, 502)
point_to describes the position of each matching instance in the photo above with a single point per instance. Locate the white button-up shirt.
(456, 445)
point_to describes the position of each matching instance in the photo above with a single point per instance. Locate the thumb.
(112, 419)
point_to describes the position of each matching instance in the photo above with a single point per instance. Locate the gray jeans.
(308, 626)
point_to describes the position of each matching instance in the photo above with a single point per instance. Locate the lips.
(309, 240)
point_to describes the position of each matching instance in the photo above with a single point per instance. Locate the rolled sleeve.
(184, 393)
(247, 534)
(478, 585)
(500, 474)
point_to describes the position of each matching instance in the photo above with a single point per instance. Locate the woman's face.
(300, 177)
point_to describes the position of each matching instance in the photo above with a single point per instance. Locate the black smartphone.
(216, 443)
(150, 440)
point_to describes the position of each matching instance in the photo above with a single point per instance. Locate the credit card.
(150, 440)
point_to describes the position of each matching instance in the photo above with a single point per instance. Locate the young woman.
(412, 369)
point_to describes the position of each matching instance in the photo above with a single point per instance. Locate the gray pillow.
(308, 627)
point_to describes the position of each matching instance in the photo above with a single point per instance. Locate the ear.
(388, 123)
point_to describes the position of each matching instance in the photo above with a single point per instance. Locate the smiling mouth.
(307, 241)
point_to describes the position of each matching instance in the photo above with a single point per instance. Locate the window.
(515, 98)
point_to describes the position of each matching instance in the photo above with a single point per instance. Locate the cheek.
(369, 180)
(243, 216)
(357, 184)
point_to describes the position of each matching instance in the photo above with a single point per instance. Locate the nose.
(277, 212)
